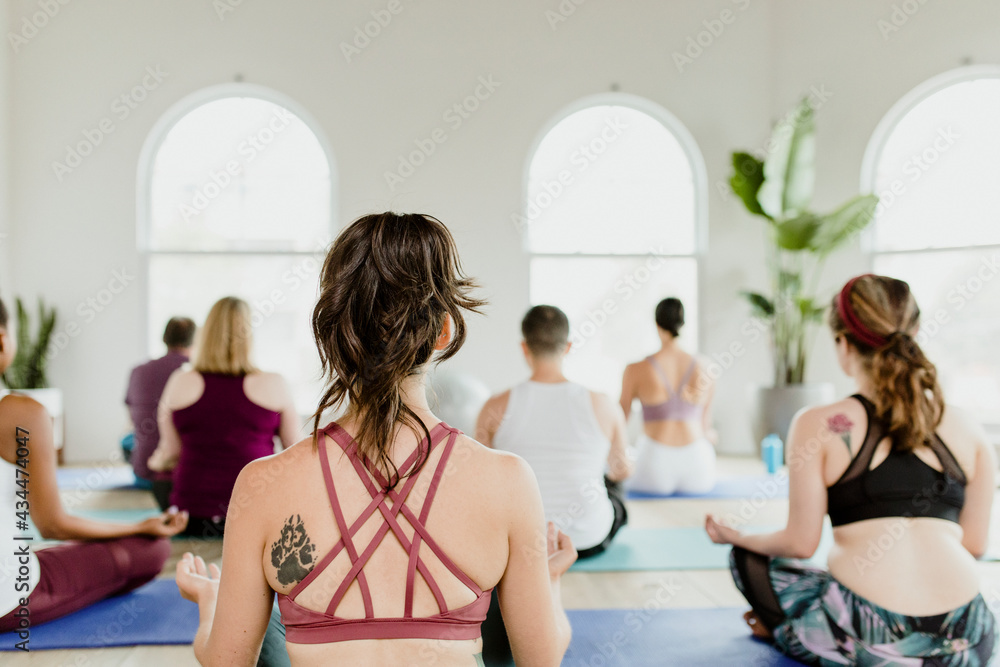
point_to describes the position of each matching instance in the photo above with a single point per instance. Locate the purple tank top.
(220, 433)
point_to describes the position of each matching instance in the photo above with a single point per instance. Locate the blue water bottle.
(772, 451)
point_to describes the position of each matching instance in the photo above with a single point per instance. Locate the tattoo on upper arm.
(841, 425)
(293, 554)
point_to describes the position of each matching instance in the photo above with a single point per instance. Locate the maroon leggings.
(78, 574)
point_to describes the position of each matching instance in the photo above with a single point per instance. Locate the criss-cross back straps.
(663, 376)
(333, 431)
(411, 569)
(379, 496)
(419, 528)
(687, 376)
(658, 369)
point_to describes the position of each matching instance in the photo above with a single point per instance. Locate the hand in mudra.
(196, 581)
(562, 553)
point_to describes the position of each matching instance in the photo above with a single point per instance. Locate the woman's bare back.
(467, 519)
(875, 558)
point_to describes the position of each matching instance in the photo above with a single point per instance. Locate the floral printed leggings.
(818, 621)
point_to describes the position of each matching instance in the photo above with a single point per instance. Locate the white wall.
(6, 231)
(70, 236)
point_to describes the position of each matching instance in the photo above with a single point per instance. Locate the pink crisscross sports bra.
(305, 626)
(674, 408)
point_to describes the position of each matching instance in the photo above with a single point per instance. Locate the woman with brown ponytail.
(908, 483)
(384, 534)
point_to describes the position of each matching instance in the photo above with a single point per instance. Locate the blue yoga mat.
(742, 486)
(153, 614)
(688, 637)
(673, 549)
(105, 478)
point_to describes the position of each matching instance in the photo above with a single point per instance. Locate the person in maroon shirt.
(145, 387)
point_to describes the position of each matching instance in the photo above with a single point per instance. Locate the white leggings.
(664, 469)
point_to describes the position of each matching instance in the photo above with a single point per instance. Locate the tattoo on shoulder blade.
(293, 554)
(841, 425)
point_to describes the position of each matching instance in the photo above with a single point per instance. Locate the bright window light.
(240, 204)
(610, 224)
(937, 228)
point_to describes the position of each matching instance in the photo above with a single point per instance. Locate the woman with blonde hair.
(385, 532)
(218, 416)
(910, 513)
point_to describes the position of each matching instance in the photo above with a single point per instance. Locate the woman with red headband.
(908, 484)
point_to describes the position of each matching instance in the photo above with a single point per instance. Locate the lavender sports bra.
(305, 626)
(674, 408)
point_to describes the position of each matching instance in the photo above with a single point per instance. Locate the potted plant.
(27, 372)
(779, 190)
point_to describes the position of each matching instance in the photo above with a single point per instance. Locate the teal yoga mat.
(115, 516)
(104, 478)
(121, 516)
(672, 549)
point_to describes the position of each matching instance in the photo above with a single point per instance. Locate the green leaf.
(748, 175)
(797, 233)
(762, 306)
(28, 369)
(841, 225)
(810, 311)
(789, 173)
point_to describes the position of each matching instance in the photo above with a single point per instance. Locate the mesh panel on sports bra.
(877, 431)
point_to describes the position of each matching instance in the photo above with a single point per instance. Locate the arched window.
(235, 198)
(933, 162)
(614, 201)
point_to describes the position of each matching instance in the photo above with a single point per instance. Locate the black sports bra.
(903, 485)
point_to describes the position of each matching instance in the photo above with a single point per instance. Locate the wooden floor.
(690, 588)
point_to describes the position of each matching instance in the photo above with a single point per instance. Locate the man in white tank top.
(573, 438)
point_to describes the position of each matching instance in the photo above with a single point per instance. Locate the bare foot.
(757, 627)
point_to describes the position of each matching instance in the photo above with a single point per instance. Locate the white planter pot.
(772, 408)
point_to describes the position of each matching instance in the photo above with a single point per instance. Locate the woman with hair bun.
(385, 532)
(908, 483)
(675, 451)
